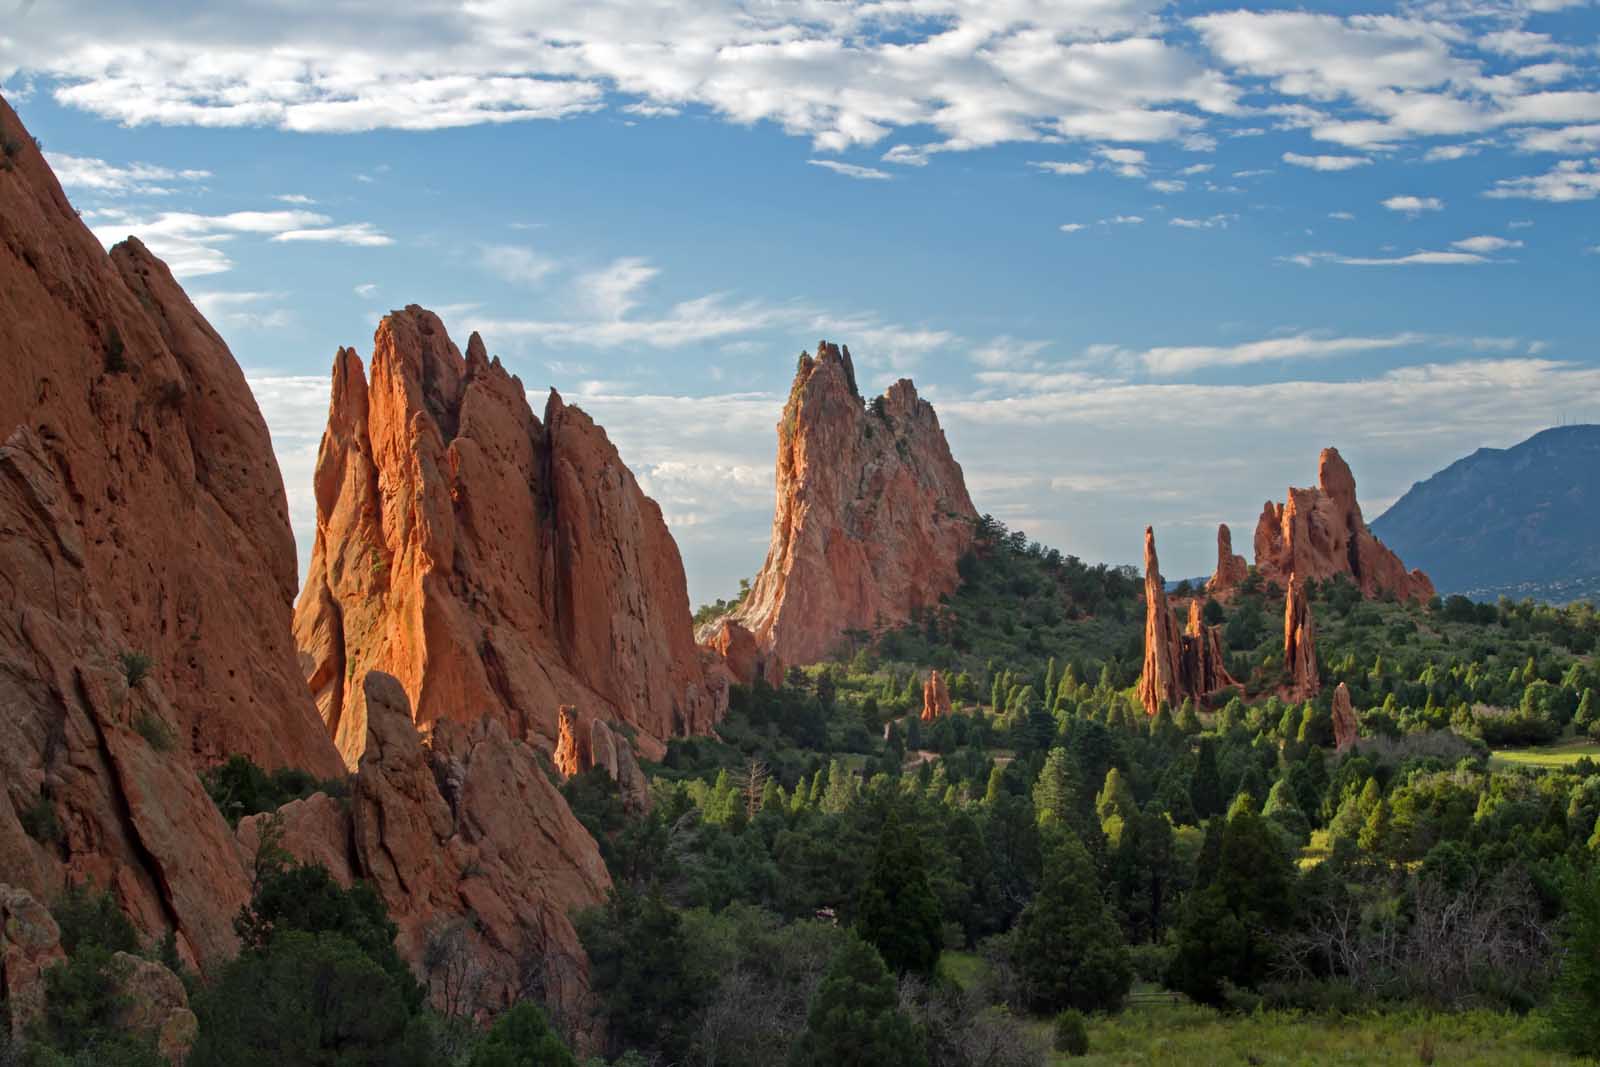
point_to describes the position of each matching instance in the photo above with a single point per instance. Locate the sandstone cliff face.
(1318, 533)
(935, 697)
(30, 942)
(468, 835)
(1177, 665)
(1299, 642)
(872, 513)
(1231, 569)
(1346, 727)
(143, 516)
(737, 649)
(497, 564)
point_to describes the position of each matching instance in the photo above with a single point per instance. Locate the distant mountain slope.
(1523, 521)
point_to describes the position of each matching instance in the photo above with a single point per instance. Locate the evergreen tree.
(855, 1018)
(1205, 787)
(897, 912)
(1055, 793)
(1067, 947)
(522, 1038)
(1115, 799)
(1575, 1007)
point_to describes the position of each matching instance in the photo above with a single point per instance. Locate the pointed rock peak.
(870, 518)
(1178, 665)
(935, 697)
(1196, 622)
(1319, 533)
(1231, 569)
(1152, 565)
(498, 568)
(1346, 727)
(554, 406)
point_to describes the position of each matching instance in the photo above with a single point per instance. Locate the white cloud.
(1072, 227)
(1167, 185)
(1128, 162)
(363, 234)
(97, 176)
(1170, 361)
(1211, 222)
(1326, 163)
(1447, 152)
(1055, 167)
(1485, 244)
(366, 289)
(515, 264)
(613, 291)
(1007, 351)
(1342, 216)
(294, 198)
(240, 309)
(1124, 220)
(1415, 259)
(1194, 169)
(1569, 180)
(851, 170)
(1413, 205)
(1565, 141)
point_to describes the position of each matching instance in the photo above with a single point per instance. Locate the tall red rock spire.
(872, 513)
(1300, 642)
(1177, 665)
(1231, 569)
(496, 564)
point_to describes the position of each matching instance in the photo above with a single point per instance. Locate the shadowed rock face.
(1318, 533)
(142, 513)
(872, 513)
(1178, 666)
(496, 564)
(1300, 642)
(1346, 727)
(737, 649)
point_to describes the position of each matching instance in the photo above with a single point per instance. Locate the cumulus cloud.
(1326, 163)
(1569, 180)
(1055, 167)
(1210, 222)
(1413, 205)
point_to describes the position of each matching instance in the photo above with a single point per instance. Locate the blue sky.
(1146, 259)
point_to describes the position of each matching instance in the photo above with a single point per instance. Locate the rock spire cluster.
(1178, 665)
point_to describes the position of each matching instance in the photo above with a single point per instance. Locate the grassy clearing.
(1189, 1035)
(1561, 754)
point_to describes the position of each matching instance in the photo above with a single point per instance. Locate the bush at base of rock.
(1071, 1035)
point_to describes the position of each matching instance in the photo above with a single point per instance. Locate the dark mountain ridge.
(1518, 521)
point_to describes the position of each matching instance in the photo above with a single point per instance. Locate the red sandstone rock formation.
(1299, 642)
(143, 516)
(467, 834)
(30, 942)
(1318, 533)
(935, 697)
(568, 759)
(578, 750)
(1346, 727)
(872, 513)
(737, 648)
(497, 564)
(1177, 666)
(1231, 569)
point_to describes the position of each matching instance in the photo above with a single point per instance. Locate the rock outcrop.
(1300, 642)
(148, 569)
(1346, 727)
(872, 514)
(497, 564)
(935, 697)
(739, 651)
(579, 749)
(467, 840)
(1231, 569)
(1318, 533)
(30, 941)
(1178, 666)
(150, 1001)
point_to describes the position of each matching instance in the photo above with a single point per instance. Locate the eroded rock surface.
(872, 514)
(497, 564)
(935, 697)
(1346, 727)
(1178, 665)
(1318, 533)
(147, 569)
(1231, 568)
(1300, 642)
(737, 648)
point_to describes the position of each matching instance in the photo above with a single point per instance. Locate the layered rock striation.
(496, 563)
(1318, 533)
(872, 514)
(1178, 665)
